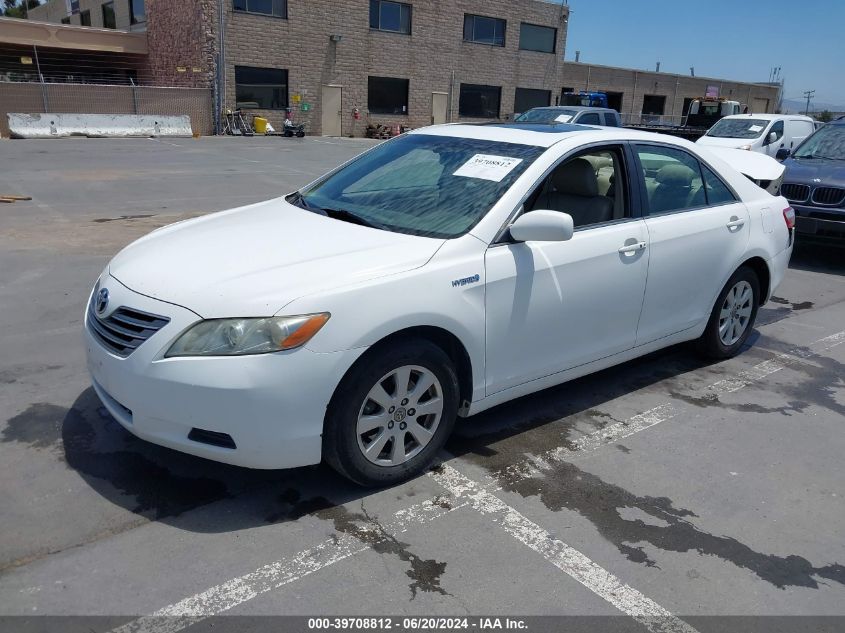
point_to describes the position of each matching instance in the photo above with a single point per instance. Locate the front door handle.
(735, 223)
(633, 248)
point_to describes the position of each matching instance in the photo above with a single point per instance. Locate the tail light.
(789, 217)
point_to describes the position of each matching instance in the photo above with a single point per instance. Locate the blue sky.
(731, 39)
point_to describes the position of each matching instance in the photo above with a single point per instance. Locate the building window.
(277, 8)
(481, 102)
(108, 16)
(85, 18)
(654, 104)
(482, 30)
(261, 88)
(386, 95)
(137, 14)
(390, 16)
(527, 98)
(537, 38)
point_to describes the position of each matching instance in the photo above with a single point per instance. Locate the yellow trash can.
(260, 125)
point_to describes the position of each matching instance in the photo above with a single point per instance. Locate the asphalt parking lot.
(664, 487)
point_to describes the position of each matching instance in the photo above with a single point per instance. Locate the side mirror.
(773, 136)
(783, 153)
(543, 226)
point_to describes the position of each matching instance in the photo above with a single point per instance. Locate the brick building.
(339, 64)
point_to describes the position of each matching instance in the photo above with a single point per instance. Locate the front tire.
(733, 316)
(391, 414)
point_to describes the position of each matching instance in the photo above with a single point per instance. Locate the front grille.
(125, 329)
(829, 196)
(795, 193)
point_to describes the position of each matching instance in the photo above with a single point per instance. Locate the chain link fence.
(37, 97)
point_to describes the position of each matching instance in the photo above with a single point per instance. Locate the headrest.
(675, 175)
(576, 178)
(599, 162)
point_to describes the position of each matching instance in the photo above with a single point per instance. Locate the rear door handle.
(735, 223)
(633, 248)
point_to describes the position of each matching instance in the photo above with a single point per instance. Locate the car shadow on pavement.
(181, 490)
(165, 485)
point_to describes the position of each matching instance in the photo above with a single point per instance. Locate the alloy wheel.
(400, 415)
(736, 313)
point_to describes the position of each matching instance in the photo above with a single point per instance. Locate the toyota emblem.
(102, 300)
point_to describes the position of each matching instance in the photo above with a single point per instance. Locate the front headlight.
(238, 337)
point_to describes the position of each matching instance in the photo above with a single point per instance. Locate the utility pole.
(809, 94)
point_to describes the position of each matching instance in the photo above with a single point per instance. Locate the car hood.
(254, 260)
(717, 141)
(830, 173)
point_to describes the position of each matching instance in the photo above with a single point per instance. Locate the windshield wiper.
(348, 216)
(299, 200)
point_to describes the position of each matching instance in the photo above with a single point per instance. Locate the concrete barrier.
(97, 125)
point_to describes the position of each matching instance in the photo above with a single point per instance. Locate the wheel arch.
(442, 338)
(764, 275)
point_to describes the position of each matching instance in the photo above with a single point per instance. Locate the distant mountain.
(796, 106)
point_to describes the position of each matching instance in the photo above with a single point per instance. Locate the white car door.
(698, 233)
(555, 305)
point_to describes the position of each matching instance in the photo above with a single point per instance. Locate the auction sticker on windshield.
(488, 167)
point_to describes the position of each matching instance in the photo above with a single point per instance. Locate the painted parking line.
(780, 361)
(566, 558)
(236, 591)
(463, 492)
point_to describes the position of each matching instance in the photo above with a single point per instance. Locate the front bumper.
(271, 405)
(820, 222)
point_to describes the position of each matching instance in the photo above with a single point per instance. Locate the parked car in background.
(814, 182)
(439, 274)
(773, 134)
(583, 115)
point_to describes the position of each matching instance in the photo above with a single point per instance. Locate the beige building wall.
(434, 57)
(635, 84)
(329, 42)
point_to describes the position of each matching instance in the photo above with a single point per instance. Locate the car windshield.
(542, 115)
(433, 186)
(738, 128)
(826, 142)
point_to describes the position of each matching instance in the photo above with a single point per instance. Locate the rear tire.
(733, 316)
(379, 431)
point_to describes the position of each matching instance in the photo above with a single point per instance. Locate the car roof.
(542, 134)
(769, 117)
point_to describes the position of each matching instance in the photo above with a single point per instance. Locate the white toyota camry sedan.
(438, 274)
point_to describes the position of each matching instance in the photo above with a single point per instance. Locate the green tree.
(825, 116)
(13, 9)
